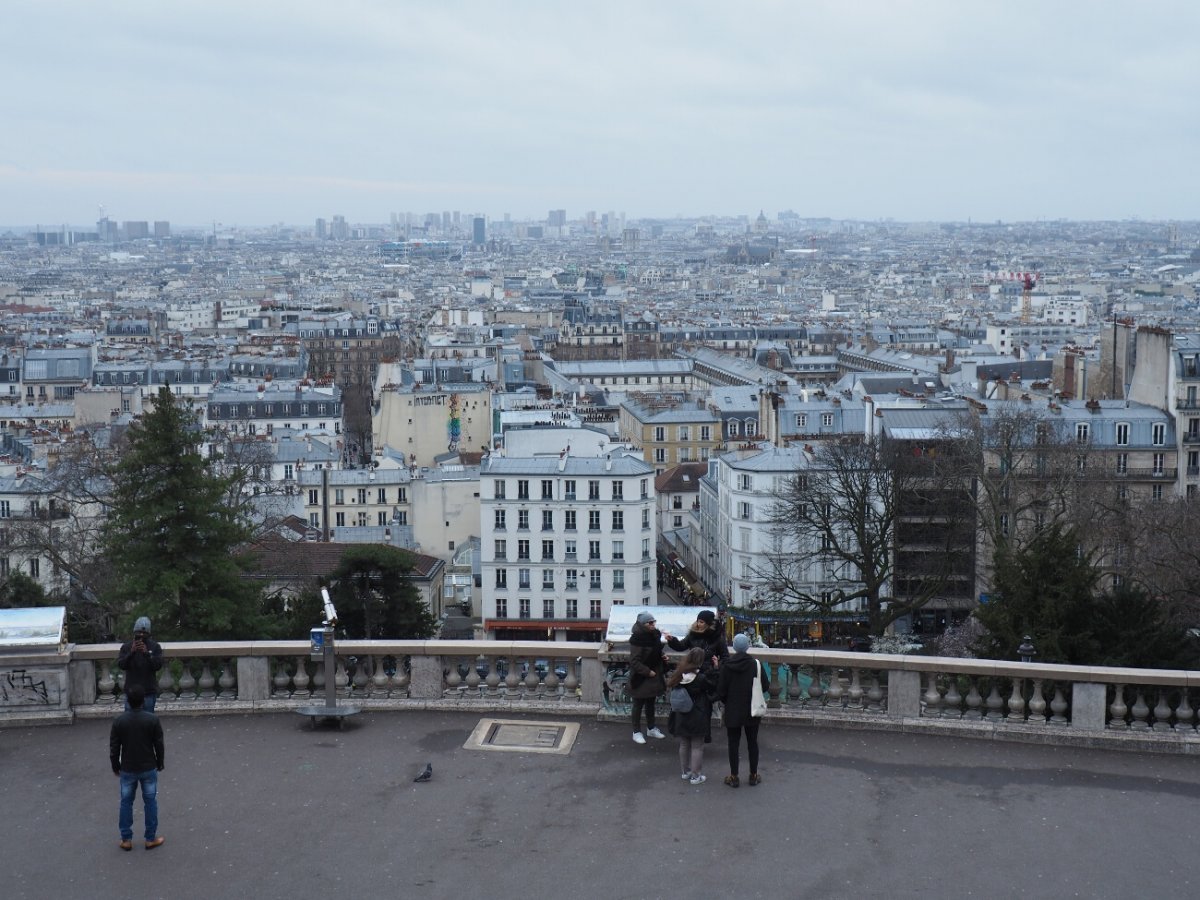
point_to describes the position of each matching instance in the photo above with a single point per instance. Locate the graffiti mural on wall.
(454, 426)
(19, 687)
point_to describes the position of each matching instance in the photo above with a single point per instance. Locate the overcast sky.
(254, 111)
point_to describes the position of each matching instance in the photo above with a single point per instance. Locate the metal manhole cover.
(523, 736)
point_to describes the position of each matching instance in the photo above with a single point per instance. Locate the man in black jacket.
(135, 749)
(141, 659)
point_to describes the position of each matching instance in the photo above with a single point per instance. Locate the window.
(1122, 463)
(381, 495)
(361, 518)
(314, 497)
(827, 420)
(522, 520)
(569, 515)
(660, 433)
(594, 579)
(314, 519)
(744, 511)
(618, 520)
(522, 549)
(660, 455)
(645, 548)
(801, 421)
(547, 490)
(523, 578)
(706, 432)
(1081, 432)
(522, 489)
(677, 522)
(501, 549)
(4, 566)
(570, 550)
(594, 520)
(1158, 434)
(339, 519)
(685, 433)
(502, 578)
(1156, 493)
(572, 579)
(547, 549)
(1159, 460)
(500, 520)
(572, 607)
(339, 496)
(745, 482)
(1122, 434)
(618, 489)
(547, 520)
(569, 489)
(645, 519)
(381, 519)
(35, 564)
(524, 601)
(677, 501)
(1004, 524)
(646, 577)
(645, 485)
(498, 489)
(362, 496)
(593, 550)
(501, 607)
(593, 490)
(547, 607)
(732, 428)
(618, 579)
(547, 579)
(594, 609)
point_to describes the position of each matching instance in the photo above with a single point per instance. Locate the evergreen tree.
(375, 598)
(19, 591)
(171, 536)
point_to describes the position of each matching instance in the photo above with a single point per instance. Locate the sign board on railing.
(675, 620)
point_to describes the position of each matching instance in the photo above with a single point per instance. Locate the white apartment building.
(563, 540)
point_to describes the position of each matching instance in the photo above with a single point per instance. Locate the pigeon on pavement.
(426, 774)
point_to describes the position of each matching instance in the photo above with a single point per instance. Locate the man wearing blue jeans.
(135, 749)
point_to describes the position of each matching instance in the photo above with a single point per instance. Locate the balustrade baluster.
(793, 684)
(493, 676)
(512, 679)
(207, 684)
(1016, 702)
(854, 695)
(227, 683)
(552, 680)
(875, 694)
(952, 699)
(280, 680)
(531, 678)
(1058, 706)
(473, 678)
(120, 677)
(1141, 712)
(453, 678)
(777, 687)
(1037, 704)
(571, 684)
(1162, 713)
(341, 680)
(106, 685)
(379, 678)
(933, 699)
(995, 705)
(1184, 712)
(301, 681)
(814, 687)
(833, 695)
(318, 679)
(1117, 710)
(974, 701)
(402, 678)
(166, 683)
(187, 681)
(361, 676)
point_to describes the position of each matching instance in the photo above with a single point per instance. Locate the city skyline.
(286, 113)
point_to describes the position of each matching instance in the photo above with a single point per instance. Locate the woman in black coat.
(704, 634)
(646, 674)
(694, 727)
(734, 687)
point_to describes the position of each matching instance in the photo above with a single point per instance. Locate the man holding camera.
(135, 749)
(141, 659)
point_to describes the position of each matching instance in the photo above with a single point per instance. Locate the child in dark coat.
(693, 728)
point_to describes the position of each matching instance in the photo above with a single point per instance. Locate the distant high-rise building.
(136, 231)
(446, 220)
(321, 231)
(107, 229)
(339, 230)
(162, 230)
(478, 231)
(557, 218)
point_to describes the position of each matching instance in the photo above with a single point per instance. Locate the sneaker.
(686, 776)
(732, 780)
(697, 779)
(755, 778)
(157, 842)
(126, 845)
(655, 733)
(637, 738)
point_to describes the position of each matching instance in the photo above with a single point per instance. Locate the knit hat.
(142, 624)
(644, 618)
(706, 615)
(741, 643)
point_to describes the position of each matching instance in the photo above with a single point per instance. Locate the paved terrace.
(261, 806)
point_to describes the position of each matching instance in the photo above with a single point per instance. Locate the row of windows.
(549, 607)
(358, 495)
(362, 519)
(661, 455)
(802, 420)
(570, 550)
(258, 410)
(570, 519)
(684, 432)
(1083, 431)
(570, 489)
(595, 579)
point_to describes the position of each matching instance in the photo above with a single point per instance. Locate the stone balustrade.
(1143, 709)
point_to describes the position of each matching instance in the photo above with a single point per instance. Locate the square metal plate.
(523, 736)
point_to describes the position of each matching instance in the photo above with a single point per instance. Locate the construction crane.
(1028, 283)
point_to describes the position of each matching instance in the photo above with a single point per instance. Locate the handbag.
(758, 703)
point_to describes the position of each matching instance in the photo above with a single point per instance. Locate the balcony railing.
(1143, 709)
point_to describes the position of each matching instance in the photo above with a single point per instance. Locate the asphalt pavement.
(260, 806)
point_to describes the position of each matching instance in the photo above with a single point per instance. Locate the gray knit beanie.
(741, 643)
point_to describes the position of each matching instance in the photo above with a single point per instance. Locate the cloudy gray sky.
(262, 111)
